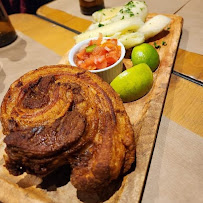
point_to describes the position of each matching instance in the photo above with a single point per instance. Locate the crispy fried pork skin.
(58, 115)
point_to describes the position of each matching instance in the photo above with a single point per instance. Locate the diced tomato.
(110, 60)
(89, 61)
(102, 56)
(102, 65)
(99, 51)
(97, 41)
(113, 41)
(101, 59)
(81, 54)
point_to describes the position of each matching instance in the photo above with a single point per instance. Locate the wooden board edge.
(154, 111)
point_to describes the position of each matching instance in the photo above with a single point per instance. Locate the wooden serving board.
(144, 114)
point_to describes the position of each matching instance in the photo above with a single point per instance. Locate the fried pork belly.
(58, 115)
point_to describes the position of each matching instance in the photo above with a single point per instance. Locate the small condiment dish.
(108, 73)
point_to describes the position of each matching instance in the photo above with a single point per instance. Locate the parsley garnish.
(164, 43)
(100, 25)
(121, 11)
(157, 46)
(122, 17)
(168, 28)
(127, 10)
(130, 4)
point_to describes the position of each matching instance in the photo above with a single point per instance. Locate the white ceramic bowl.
(108, 73)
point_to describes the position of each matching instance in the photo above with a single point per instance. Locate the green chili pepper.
(90, 48)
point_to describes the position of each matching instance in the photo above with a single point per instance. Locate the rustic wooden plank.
(145, 113)
(184, 104)
(64, 18)
(50, 35)
(189, 64)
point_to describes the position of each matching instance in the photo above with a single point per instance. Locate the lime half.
(133, 83)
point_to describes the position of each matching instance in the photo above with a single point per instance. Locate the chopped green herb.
(130, 4)
(141, 9)
(164, 43)
(103, 14)
(157, 46)
(127, 10)
(100, 25)
(121, 11)
(137, 13)
(168, 28)
(100, 10)
(122, 17)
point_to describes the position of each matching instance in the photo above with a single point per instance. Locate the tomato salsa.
(98, 54)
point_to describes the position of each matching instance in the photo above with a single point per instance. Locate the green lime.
(145, 53)
(133, 83)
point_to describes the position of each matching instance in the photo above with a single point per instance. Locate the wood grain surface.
(184, 104)
(146, 112)
(189, 64)
(48, 34)
(64, 18)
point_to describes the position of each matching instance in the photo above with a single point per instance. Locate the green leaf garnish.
(100, 25)
(164, 43)
(156, 45)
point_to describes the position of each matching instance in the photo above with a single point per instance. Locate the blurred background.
(23, 6)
